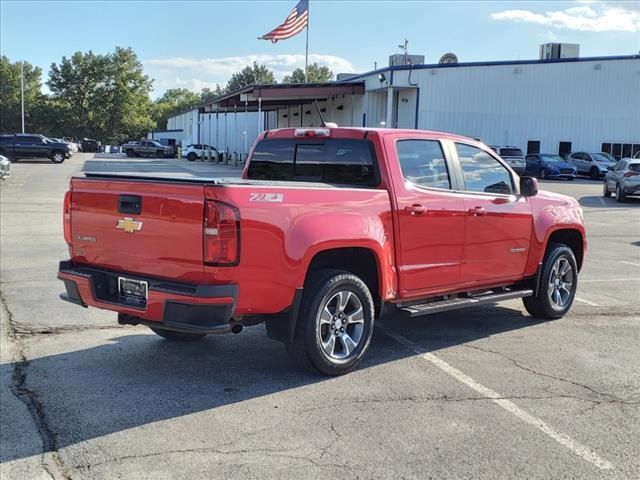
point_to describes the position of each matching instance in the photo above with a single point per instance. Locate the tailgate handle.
(130, 204)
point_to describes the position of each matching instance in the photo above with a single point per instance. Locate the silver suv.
(623, 179)
(513, 156)
(593, 164)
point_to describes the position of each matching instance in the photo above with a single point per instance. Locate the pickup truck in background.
(327, 228)
(28, 145)
(147, 148)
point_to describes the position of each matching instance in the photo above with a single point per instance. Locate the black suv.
(28, 145)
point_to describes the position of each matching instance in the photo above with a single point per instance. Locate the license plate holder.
(133, 292)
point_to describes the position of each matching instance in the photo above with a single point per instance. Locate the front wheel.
(335, 324)
(57, 157)
(160, 153)
(595, 174)
(558, 283)
(543, 174)
(620, 196)
(605, 190)
(177, 336)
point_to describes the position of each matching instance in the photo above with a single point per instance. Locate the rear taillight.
(221, 234)
(631, 173)
(66, 217)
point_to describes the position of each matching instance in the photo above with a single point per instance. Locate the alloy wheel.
(560, 283)
(341, 325)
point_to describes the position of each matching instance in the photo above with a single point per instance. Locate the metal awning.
(268, 97)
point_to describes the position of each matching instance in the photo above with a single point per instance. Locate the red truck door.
(430, 216)
(498, 222)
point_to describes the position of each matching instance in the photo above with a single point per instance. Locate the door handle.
(416, 209)
(478, 211)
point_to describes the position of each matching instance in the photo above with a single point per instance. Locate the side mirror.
(610, 168)
(528, 186)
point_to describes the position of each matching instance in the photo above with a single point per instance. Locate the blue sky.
(193, 44)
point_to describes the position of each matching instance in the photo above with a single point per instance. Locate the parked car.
(75, 147)
(89, 145)
(171, 144)
(199, 151)
(5, 167)
(513, 156)
(347, 225)
(592, 164)
(549, 165)
(623, 179)
(150, 148)
(29, 145)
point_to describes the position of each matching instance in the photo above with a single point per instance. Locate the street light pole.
(22, 91)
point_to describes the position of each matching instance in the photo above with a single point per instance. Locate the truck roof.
(359, 132)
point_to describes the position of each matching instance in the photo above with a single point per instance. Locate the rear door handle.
(416, 209)
(478, 211)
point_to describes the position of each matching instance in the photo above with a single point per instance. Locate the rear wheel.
(335, 324)
(177, 336)
(605, 190)
(57, 157)
(620, 196)
(543, 174)
(130, 152)
(595, 174)
(192, 157)
(558, 283)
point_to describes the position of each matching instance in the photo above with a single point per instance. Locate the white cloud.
(197, 73)
(586, 17)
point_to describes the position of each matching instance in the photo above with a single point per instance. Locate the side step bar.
(461, 302)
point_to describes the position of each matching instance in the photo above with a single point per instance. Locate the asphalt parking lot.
(479, 393)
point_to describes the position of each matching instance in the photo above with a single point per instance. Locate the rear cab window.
(511, 152)
(339, 161)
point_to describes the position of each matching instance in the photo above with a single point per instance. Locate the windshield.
(609, 157)
(601, 157)
(552, 158)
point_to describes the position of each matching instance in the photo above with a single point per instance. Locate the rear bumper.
(174, 306)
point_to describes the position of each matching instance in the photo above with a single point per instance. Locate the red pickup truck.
(326, 228)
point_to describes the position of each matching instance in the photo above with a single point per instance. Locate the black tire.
(306, 349)
(605, 190)
(571, 179)
(541, 305)
(192, 157)
(595, 174)
(543, 174)
(160, 153)
(130, 153)
(620, 196)
(177, 336)
(57, 157)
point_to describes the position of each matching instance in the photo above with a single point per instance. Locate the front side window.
(422, 162)
(482, 172)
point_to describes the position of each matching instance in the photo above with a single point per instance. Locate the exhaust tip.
(236, 328)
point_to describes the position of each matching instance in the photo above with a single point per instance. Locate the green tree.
(317, 74)
(10, 96)
(103, 96)
(250, 75)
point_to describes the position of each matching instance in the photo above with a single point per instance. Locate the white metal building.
(556, 106)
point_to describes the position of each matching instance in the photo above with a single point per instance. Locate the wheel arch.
(571, 237)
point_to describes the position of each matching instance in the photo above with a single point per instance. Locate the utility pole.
(22, 91)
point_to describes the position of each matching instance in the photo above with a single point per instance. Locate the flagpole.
(306, 53)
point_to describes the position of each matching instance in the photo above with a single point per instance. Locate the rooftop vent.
(448, 58)
(402, 59)
(553, 51)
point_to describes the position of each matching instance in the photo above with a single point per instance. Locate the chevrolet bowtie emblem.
(129, 225)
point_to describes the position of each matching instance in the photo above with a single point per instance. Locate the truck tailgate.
(161, 237)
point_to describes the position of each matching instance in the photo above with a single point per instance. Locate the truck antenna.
(322, 124)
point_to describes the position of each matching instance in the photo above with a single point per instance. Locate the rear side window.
(339, 161)
(482, 172)
(422, 162)
(635, 167)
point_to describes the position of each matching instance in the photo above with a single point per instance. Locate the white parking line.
(604, 280)
(582, 300)
(604, 204)
(564, 440)
(630, 263)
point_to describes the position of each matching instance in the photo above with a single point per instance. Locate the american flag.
(293, 24)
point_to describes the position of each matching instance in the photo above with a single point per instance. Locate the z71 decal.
(266, 197)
